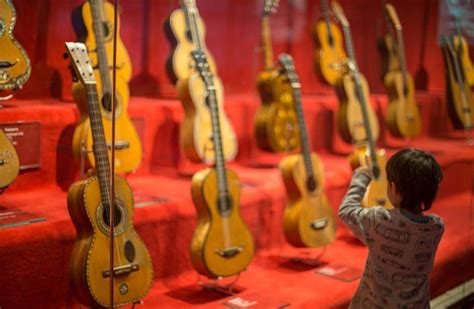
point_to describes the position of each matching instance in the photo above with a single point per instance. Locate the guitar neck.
(401, 54)
(98, 19)
(99, 143)
(324, 7)
(192, 17)
(267, 43)
(361, 97)
(304, 140)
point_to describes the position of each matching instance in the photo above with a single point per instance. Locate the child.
(402, 242)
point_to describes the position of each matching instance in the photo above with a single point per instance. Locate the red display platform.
(36, 256)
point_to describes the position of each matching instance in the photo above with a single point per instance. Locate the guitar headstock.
(188, 4)
(270, 6)
(80, 63)
(339, 12)
(392, 14)
(288, 66)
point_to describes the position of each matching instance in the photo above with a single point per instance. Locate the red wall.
(233, 36)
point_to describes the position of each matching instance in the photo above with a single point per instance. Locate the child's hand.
(363, 170)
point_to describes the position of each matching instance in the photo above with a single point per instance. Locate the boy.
(402, 242)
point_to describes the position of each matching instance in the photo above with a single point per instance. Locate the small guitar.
(403, 117)
(308, 220)
(96, 18)
(88, 205)
(462, 50)
(365, 152)
(329, 56)
(458, 92)
(388, 48)
(275, 120)
(186, 31)
(15, 66)
(9, 162)
(221, 245)
(351, 90)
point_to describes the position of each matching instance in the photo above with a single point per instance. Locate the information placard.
(26, 138)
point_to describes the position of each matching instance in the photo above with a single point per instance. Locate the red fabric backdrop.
(233, 37)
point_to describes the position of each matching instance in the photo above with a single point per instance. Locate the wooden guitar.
(14, 62)
(462, 50)
(365, 152)
(458, 92)
(403, 117)
(128, 146)
(308, 220)
(329, 56)
(88, 205)
(275, 120)
(186, 31)
(388, 48)
(351, 90)
(9, 162)
(221, 245)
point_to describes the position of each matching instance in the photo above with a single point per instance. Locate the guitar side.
(90, 262)
(196, 129)
(208, 238)
(308, 219)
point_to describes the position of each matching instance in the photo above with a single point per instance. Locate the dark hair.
(416, 175)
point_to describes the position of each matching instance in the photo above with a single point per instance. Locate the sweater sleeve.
(359, 220)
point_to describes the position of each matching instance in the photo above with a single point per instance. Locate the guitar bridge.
(319, 224)
(119, 145)
(380, 201)
(229, 252)
(121, 270)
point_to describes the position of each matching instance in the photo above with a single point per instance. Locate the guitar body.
(128, 152)
(376, 193)
(9, 162)
(90, 257)
(460, 45)
(329, 56)
(208, 237)
(14, 62)
(350, 120)
(403, 117)
(180, 63)
(306, 208)
(196, 129)
(457, 96)
(275, 121)
(83, 24)
(388, 50)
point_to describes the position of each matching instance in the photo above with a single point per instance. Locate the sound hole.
(106, 215)
(107, 102)
(224, 203)
(311, 184)
(129, 250)
(189, 35)
(107, 31)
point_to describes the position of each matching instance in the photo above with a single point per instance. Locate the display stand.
(218, 285)
(306, 257)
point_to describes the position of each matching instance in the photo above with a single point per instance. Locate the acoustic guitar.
(351, 89)
(388, 47)
(275, 120)
(15, 66)
(462, 49)
(329, 56)
(458, 93)
(89, 207)
(186, 31)
(9, 162)
(221, 244)
(127, 146)
(365, 152)
(403, 116)
(308, 220)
